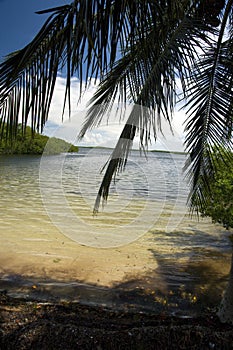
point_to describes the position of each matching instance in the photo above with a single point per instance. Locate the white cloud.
(108, 133)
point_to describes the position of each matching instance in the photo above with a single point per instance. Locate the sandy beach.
(54, 266)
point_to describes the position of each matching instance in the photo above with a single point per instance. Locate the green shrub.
(219, 206)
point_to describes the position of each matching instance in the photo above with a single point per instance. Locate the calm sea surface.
(142, 250)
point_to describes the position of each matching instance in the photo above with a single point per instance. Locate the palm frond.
(146, 75)
(27, 77)
(210, 114)
(83, 38)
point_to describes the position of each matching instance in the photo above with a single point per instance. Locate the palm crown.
(138, 50)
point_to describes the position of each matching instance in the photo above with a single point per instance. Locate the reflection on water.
(142, 250)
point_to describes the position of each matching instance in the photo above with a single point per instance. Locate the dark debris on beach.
(65, 325)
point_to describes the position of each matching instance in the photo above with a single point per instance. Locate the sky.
(18, 25)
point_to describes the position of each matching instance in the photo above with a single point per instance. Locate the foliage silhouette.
(138, 51)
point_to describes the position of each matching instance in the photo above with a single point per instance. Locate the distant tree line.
(28, 143)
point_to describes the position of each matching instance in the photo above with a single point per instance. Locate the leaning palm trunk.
(225, 312)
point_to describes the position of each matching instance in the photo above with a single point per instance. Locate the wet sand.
(53, 266)
(60, 258)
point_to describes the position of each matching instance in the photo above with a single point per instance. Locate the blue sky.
(19, 22)
(18, 25)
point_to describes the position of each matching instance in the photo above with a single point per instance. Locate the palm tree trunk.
(225, 312)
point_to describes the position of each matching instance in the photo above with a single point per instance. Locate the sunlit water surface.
(141, 251)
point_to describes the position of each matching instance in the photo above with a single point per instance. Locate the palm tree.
(138, 50)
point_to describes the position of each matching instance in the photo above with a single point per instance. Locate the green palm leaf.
(82, 37)
(210, 120)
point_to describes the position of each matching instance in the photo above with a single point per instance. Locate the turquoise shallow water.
(142, 250)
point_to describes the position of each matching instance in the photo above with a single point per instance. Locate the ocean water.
(142, 250)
